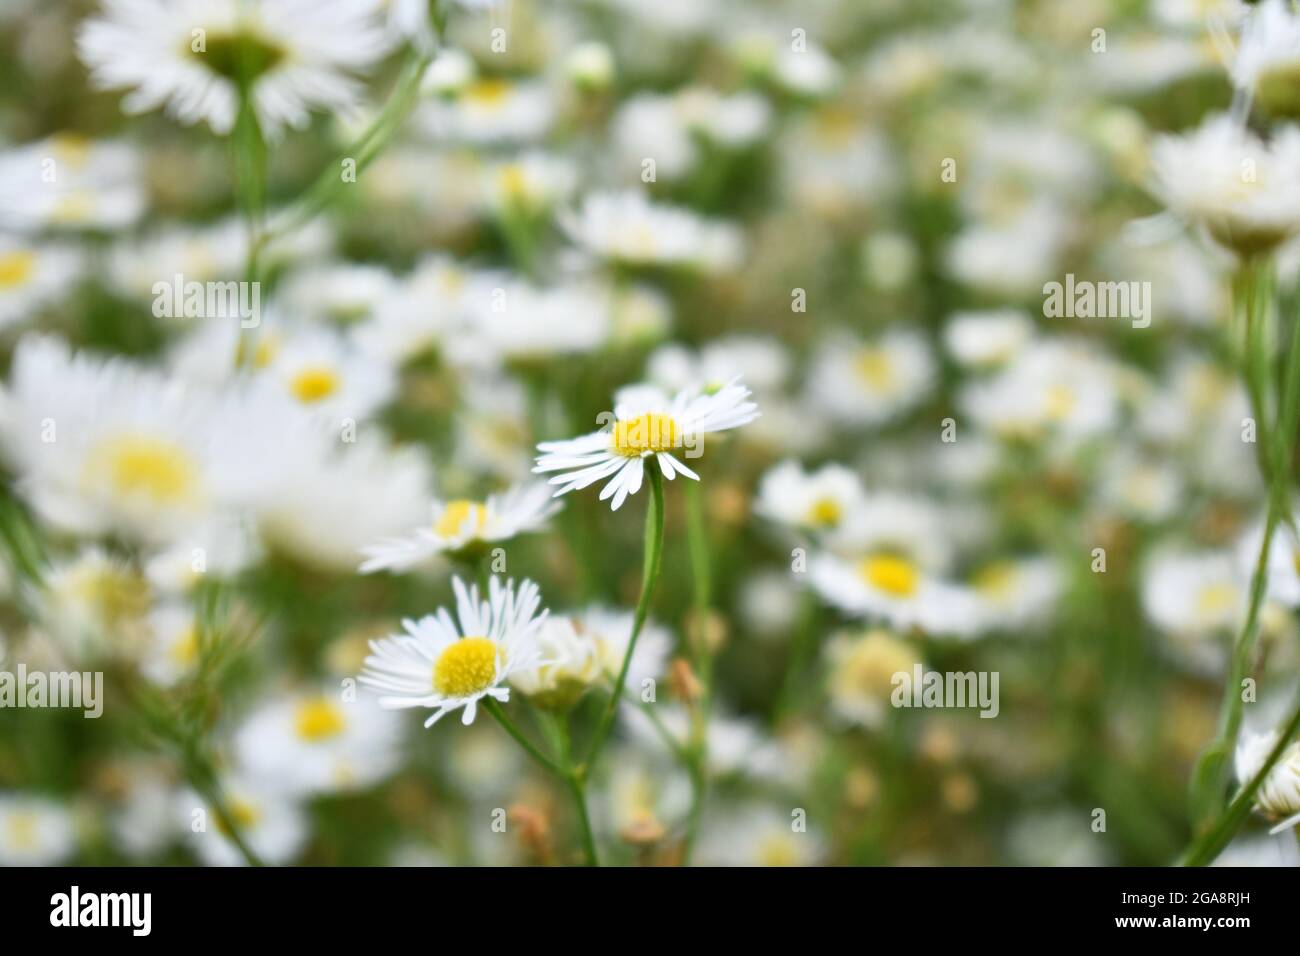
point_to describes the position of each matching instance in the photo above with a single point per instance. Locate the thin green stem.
(653, 554)
(494, 708)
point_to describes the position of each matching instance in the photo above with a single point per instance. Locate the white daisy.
(891, 587)
(571, 666)
(627, 227)
(520, 323)
(860, 671)
(1268, 60)
(173, 651)
(315, 741)
(808, 501)
(71, 182)
(439, 297)
(316, 368)
(1193, 594)
(34, 831)
(610, 631)
(443, 665)
(271, 822)
(490, 111)
(461, 526)
(986, 339)
(1014, 594)
(858, 383)
(33, 276)
(1278, 796)
(529, 184)
(186, 56)
(759, 836)
(646, 422)
(1244, 191)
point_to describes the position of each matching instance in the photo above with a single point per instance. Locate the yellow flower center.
(22, 830)
(466, 667)
(314, 383)
(458, 515)
(825, 513)
(651, 432)
(185, 651)
(16, 268)
(71, 148)
(115, 596)
(1060, 402)
(244, 815)
(876, 369)
(996, 580)
(891, 574)
(319, 719)
(142, 466)
(777, 851)
(491, 92)
(513, 181)
(1216, 598)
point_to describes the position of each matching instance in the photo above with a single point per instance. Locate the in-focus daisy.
(316, 741)
(34, 831)
(444, 664)
(464, 527)
(808, 501)
(1244, 191)
(627, 227)
(646, 422)
(186, 56)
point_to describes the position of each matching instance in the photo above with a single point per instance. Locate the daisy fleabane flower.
(1278, 796)
(647, 422)
(443, 664)
(462, 527)
(188, 55)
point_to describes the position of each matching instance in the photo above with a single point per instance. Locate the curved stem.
(494, 708)
(653, 553)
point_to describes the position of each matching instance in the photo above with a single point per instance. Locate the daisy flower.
(463, 527)
(1268, 60)
(627, 227)
(313, 741)
(1244, 191)
(32, 276)
(34, 831)
(890, 586)
(186, 57)
(271, 822)
(860, 674)
(808, 501)
(1278, 796)
(443, 664)
(646, 423)
(67, 181)
(857, 383)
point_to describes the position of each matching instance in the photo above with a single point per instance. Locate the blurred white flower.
(34, 831)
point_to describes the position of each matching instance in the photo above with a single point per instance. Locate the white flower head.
(808, 501)
(462, 526)
(646, 422)
(34, 831)
(627, 227)
(445, 664)
(187, 56)
(1278, 796)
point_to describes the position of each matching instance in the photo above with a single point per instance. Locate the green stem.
(494, 708)
(653, 553)
(203, 777)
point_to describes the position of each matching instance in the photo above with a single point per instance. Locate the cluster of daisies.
(526, 274)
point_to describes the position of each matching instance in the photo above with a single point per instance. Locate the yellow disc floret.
(651, 432)
(825, 513)
(319, 719)
(143, 466)
(460, 515)
(893, 575)
(16, 268)
(466, 667)
(314, 383)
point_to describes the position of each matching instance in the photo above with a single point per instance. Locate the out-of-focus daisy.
(1278, 796)
(105, 446)
(1193, 594)
(1268, 60)
(858, 383)
(569, 666)
(1013, 594)
(317, 370)
(760, 836)
(891, 587)
(985, 339)
(443, 664)
(808, 501)
(465, 527)
(271, 823)
(340, 292)
(69, 182)
(529, 184)
(488, 111)
(860, 671)
(188, 56)
(173, 651)
(34, 831)
(95, 603)
(1244, 191)
(32, 276)
(523, 324)
(628, 228)
(610, 630)
(316, 741)
(437, 299)
(646, 423)
(763, 362)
